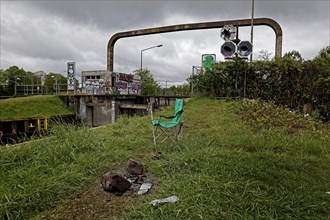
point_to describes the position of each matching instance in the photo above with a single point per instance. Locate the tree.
(12, 77)
(224, 79)
(264, 55)
(55, 82)
(179, 90)
(149, 85)
(321, 85)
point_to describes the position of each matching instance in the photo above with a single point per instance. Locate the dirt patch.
(95, 203)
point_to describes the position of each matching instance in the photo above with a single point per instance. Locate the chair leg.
(177, 131)
(154, 135)
(167, 135)
(173, 135)
(180, 132)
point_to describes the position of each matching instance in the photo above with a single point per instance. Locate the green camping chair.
(168, 129)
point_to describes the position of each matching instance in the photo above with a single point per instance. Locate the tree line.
(16, 81)
(302, 85)
(151, 87)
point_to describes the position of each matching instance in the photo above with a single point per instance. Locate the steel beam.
(196, 26)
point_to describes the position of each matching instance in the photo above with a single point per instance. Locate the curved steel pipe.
(196, 26)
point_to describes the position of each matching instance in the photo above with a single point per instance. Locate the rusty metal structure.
(196, 26)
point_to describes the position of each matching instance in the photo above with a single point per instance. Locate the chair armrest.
(168, 117)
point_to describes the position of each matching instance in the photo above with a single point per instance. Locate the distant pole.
(55, 76)
(166, 87)
(15, 86)
(192, 82)
(252, 18)
(141, 61)
(160, 45)
(32, 85)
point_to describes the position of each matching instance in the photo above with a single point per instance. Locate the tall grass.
(224, 167)
(37, 175)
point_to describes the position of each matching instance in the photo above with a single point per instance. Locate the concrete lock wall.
(101, 115)
(92, 110)
(98, 111)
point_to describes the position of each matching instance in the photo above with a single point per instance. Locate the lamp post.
(148, 49)
(55, 83)
(252, 18)
(166, 83)
(16, 78)
(32, 85)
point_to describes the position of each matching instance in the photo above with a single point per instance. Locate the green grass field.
(236, 160)
(31, 107)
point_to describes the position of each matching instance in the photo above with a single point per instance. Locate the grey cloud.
(103, 14)
(46, 34)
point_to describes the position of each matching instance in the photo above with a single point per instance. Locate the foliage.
(222, 80)
(8, 78)
(17, 81)
(149, 85)
(261, 115)
(264, 55)
(289, 81)
(180, 90)
(222, 168)
(55, 81)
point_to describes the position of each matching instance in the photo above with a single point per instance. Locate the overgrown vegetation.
(289, 81)
(39, 175)
(151, 87)
(261, 115)
(32, 106)
(236, 160)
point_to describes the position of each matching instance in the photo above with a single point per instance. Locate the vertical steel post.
(192, 82)
(15, 86)
(252, 18)
(141, 61)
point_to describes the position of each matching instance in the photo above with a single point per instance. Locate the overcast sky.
(45, 35)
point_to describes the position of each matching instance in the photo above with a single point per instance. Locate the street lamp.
(55, 83)
(166, 87)
(148, 49)
(252, 17)
(16, 78)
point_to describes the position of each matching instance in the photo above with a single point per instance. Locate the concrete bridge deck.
(97, 110)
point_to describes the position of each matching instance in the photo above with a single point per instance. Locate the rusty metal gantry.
(196, 26)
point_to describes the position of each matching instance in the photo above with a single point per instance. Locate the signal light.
(244, 48)
(228, 49)
(228, 32)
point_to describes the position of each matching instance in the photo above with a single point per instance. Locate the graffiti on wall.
(124, 84)
(128, 88)
(98, 86)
